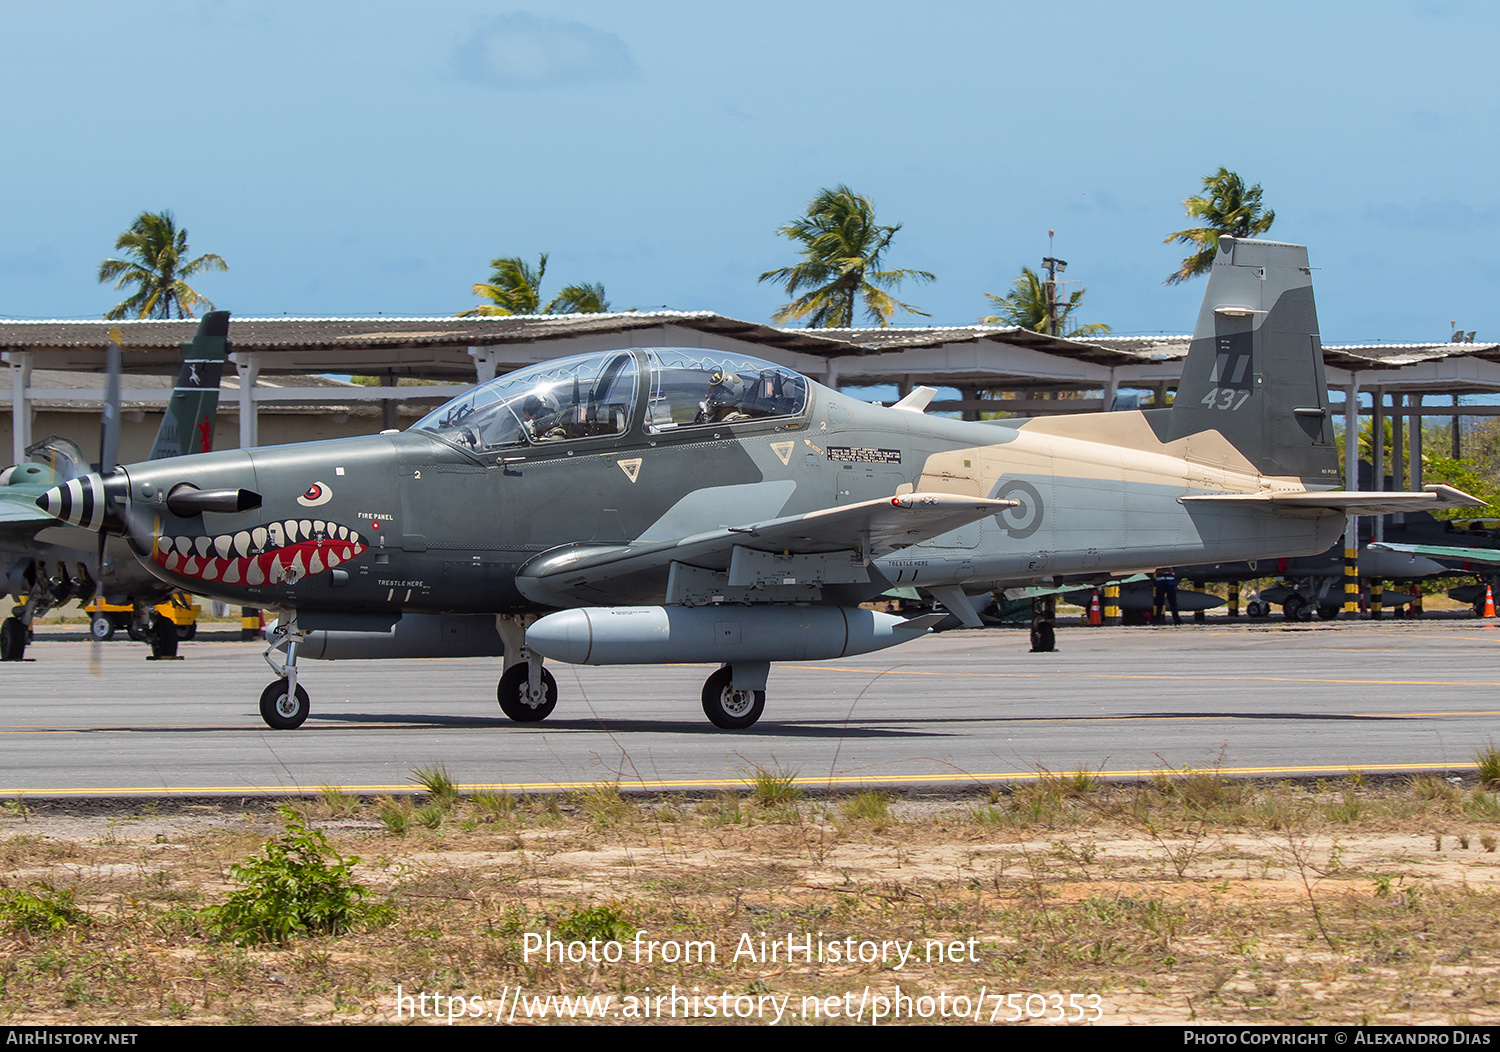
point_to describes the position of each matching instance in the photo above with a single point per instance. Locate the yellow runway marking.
(834, 782)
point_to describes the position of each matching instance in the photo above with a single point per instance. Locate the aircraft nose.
(84, 501)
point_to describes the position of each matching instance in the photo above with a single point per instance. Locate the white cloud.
(522, 50)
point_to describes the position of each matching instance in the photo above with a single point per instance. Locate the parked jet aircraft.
(1314, 583)
(670, 505)
(1481, 562)
(46, 563)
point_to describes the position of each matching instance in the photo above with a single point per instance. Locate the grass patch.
(776, 788)
(42, 909)
(440, 787)
(298, 884)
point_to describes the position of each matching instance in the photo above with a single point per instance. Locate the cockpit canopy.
(599, 395)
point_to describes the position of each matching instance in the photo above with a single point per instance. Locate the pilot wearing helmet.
(726, 392)
(539, 419)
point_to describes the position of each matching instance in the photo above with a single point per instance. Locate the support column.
(1398, 447)
(1377, 453)
(1111, 604)
(1351, 482)
(1111, 389)
(1457, 446)
(247, 368)
(486, 363)
(20, 404)
(1234, 599)
(389, 407)
(1416, 442)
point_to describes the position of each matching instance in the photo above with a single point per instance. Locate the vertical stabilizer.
(1254, 372)
(188, 426)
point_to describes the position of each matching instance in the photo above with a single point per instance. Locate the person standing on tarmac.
(1166, 595)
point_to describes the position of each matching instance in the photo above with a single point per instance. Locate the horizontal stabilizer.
(1348, 502)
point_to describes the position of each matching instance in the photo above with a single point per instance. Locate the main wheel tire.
(188, 632)
(12, 640)
(134, 631)
(102, 628)
(163, 637)
(1043, 637)
(282, 711)
(1295, 608)
(512, 694)
(730, 709)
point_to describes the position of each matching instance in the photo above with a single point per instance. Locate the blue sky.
(371, 158)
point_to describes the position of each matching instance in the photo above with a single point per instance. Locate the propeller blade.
(109, 455)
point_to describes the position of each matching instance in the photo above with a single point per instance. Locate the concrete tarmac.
(959, 709)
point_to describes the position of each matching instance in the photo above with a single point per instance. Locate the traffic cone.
(1095, 617)
(1489, 602)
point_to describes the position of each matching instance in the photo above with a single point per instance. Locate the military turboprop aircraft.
(669, 505)
(46, 563)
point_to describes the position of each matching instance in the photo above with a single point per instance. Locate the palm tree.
(1227, 208)
(842, 247)
(516, 288)
(580, 299)
(1026, 306)
(156, 251)
(513, 288)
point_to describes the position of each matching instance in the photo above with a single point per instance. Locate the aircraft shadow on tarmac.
(787, 729)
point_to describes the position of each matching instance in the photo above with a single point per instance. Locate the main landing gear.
(734, 696)
(284, 705)
(527, 692)
(729, 705)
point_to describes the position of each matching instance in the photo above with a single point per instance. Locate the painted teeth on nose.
(232, 572)
(320, 527)
(291, 531)
(222, 545)
(203, 544)
(305, 525)
(275, 534)
(258, 538)
(242, 543)
(184, 546)
(254, 574)
(343, 533)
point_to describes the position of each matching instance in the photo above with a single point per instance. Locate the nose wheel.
(283, 709)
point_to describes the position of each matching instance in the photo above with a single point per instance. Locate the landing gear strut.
(1043, 634)
(283, 705)
(163, 638)
(527, 692)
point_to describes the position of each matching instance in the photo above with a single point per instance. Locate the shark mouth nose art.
(271, 554)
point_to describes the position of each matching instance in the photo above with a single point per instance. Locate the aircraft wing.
(1348, 502)
(1489, 556)
(23, 511)
(595, 574)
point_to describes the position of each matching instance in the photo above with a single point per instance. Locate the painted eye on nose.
(316, 494)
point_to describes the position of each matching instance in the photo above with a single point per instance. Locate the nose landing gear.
(283, 704)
